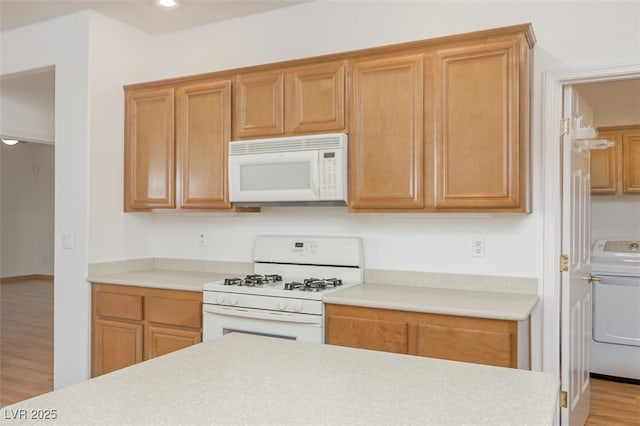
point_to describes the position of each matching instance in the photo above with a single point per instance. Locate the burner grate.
(253, 280)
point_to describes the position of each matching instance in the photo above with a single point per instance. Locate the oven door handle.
(263, 315)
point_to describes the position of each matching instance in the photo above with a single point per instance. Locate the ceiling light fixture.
(8, 141)
(168, 4)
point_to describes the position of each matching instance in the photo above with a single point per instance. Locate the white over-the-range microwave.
(299, 170)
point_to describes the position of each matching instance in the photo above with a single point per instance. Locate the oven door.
(219, 320)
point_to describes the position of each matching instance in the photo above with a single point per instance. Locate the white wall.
(90, 66)
(26, 209)
(615, 217)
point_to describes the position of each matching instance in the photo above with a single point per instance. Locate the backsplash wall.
(413, 242)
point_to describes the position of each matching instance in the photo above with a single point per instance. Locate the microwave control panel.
(330, 175)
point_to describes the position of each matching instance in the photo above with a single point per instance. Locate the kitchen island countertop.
(244, 379)
(481, 304)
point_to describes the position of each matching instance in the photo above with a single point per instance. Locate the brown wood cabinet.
(132, 324)
(443, 126)
(616, 170)
(476, 340)
(482, 124)
(176, 146)
(387, 167)
(149, 180)
(439, 125)
(288, 101)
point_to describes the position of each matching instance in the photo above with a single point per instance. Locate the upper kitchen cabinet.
(176, 145)
(203, 132)
(259, 104)
(289, 101)
(443, 125)
(616, 170)
(387, 168)
(605, 164)
(482, 128)
(149, 180)
(315, 98)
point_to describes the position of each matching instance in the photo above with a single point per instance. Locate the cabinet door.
(149, 180)
(467, 339)
(259, 104)
(631, 162)
(482, 131)
(605, 165)
(185, 311)
(315, 98)
(366, 333)
(116, 344)
(386, 144)
(160, 340)
(203, 131)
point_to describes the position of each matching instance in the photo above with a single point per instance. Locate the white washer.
(615, 346)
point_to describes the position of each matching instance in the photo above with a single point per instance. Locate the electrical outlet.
(477, 247)
(203, 240)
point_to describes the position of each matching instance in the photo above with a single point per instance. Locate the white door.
(576, 244)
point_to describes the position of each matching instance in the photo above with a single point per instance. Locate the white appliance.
(283, 297)
(615, 347)
(291, 171)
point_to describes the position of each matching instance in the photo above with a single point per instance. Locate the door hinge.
(565, 126)
(563, 399)
(564, 263)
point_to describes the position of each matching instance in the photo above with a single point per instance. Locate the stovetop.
(296, 267)
(276, 281)
(276, 286)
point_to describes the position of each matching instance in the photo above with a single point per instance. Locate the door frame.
(553, 86)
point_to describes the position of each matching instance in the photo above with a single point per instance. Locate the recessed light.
(168, 4)
(8, 141)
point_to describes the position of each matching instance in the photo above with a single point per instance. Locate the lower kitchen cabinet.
(116, 344)
(458, 338)
(133, 324)
(162, 339)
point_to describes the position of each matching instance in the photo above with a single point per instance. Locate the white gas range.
(283, 296)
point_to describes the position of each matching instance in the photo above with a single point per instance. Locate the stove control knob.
(233, 300)
(282, 305)
(298, 306)
(220, 299)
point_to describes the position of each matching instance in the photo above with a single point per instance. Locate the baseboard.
(615, 379)
(18, 278)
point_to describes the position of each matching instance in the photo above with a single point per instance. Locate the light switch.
(67, 240)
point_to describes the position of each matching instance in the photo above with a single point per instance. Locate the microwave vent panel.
(301, 143)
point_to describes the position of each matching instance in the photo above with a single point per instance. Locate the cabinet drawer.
(125, 306)
(186, 313)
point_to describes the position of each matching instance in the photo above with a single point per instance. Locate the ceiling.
(142, 14)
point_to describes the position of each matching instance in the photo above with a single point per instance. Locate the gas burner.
(313, 284)
(294, 285)
(253, 280)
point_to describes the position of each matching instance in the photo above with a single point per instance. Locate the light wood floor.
(26, 356)
(614, 404)
(26, 339)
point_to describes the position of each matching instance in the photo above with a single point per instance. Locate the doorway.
(27, 177)
(553, 232)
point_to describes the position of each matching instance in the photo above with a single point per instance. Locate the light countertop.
(243, 379)
(157, 278)
(483, 304)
